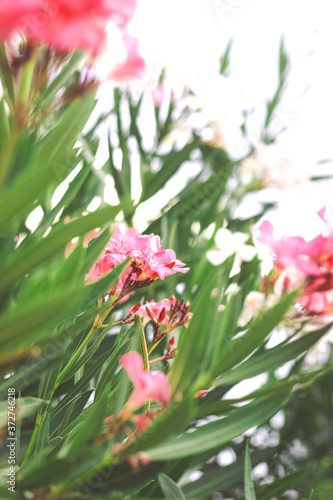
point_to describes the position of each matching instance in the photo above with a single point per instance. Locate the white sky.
(189, 36)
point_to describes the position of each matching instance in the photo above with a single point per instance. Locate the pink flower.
(12, 15)
(287, 251)
(316, 303)
(150, 260)
(64, 24)
(159, 262)
(148, 385)
(155, 309)
(134, 65)
(304, 261)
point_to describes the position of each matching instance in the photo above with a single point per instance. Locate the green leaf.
(24, 407)
(30, 372)
(171, 421)
(49, 163)
(81, 385)
(34, 252)
(117, 175)
(82, 360)
(261, 326)
(88, 429)
(65, 201)
(23, 325)
(223, 478)
(220, 432)
(60, 80)
(193, 344)
(43, 436)
(249, 491)
(282, 484)
(170, 489)
(171, 164)
(225, 59)
(55, 470)
(277, 387)
(271, 359)
(6, 74)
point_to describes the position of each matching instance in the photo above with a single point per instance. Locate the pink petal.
(134, 65)
(133, 364)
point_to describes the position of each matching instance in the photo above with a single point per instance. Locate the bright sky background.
(189, 36)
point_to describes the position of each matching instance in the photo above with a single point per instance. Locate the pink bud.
(200, 393)
(134, 309)
(171, 343)
(151, 315)
(162, 315)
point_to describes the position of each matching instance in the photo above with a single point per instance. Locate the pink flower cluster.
(64, 24)
(148, 385)
(150, 260)
(309, 262)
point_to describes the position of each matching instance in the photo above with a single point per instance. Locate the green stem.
(34, 436)
(156, 342)
(26, 80)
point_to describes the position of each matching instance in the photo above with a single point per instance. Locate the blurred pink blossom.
(148, 385)
(309, 262)
(134, 66)
(63, 24)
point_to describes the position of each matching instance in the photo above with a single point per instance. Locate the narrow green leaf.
(65, 201)
(24, 325)
(43, 436)
(81, 385)
(193, 345)
(49, 163)
(249, 491)
(35, 252)
(99, 337)
(238, 349)
(220, 432)
(279, 486)
(170, 422)
(6, 74)
(171, 164)
(223, 478)
(271, 358)
(170, 489)
(60, 81)
(24, 407)
(89, 428)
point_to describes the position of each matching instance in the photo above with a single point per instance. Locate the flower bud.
(162, 316)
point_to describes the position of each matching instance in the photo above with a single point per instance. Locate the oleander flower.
(148, 385)
(64, 24)
(150, 261)
(309, 262)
